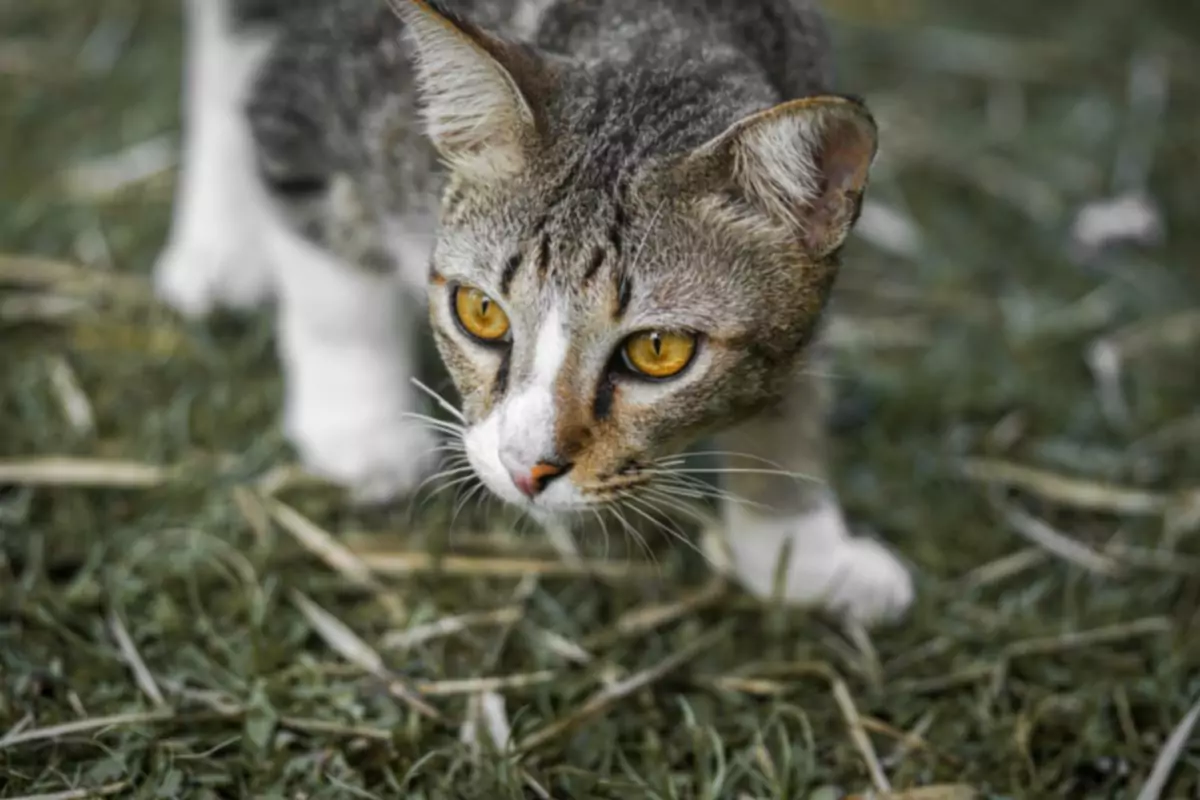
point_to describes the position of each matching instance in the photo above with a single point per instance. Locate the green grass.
(187, 641)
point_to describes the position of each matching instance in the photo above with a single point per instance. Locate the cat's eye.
(658, 354)
(480, 315)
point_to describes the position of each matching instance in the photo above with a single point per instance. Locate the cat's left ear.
(803, 163)
(477, 90)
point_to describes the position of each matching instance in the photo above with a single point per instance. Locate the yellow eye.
(479, 314)
(659, 354)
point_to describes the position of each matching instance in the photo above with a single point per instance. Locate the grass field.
(1019, 415)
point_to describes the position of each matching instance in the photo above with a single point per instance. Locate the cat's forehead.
(604, 258)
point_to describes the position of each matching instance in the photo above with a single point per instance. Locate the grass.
(1019, 417)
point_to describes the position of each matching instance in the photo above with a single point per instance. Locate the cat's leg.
(347, 343)
(214, 255)
(801, 520)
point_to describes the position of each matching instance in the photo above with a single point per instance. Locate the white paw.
(855, 578)
(377, 460)
(195, 279)
(872, 587)
(347, 404)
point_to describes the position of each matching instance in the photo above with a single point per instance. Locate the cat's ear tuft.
(803, 163)
(473, 87)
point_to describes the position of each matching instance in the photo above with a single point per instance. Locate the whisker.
(618, 512)
(687, 480)
(441, 401)
(689, 490)
(737, 471)
(678, 505)
(460, 453)
(445, 487)
(603, 527)
(672, 530)
(694, 484)
(707, 492)
(449, 472)
(824, 373)
(726, 454)
(463, 502)
(434, 422)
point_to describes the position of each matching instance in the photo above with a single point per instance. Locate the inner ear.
(842, 162)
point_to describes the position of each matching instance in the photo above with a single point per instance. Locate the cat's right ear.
(476, 90)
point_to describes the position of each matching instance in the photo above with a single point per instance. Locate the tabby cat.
(623, 216)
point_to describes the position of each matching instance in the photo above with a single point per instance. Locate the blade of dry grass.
(101, 178)
(763, 687)
(1002, 569)
(41, 308)
(133, 658)
(483, 685)
(1053, 541)
(643, 620)
(1078, 640)
(76, 407)
(96, 473)
(846, 705)
(22, 724)
(486, 716)
(340, 559)
(609, 696)
(1168, 756)
(225, 707)
(1066, 490)
(79, 794)
(89, 725)
(907, 741)
(950, 791)
(36, 272)
(858, 733)
(448, 626)
(346, 643)
(413, 563)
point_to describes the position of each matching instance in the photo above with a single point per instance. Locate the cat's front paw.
(347, 414)
(855, 578)
(376, 460)
(195, 278)
(872, 585)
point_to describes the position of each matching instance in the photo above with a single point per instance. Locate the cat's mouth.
(570, 494)
(575, 490)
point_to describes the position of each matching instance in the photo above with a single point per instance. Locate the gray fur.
(603, 219)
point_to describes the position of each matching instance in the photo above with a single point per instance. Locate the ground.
(1018, 416)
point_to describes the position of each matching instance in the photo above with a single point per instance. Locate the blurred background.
(1018, 370)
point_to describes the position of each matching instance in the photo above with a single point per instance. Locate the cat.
(624, 218)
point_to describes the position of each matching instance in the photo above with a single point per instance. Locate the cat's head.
(624, 263)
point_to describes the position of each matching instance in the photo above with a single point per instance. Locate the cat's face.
(585, 350)
(597, 318)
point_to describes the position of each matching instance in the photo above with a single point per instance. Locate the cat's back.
(786, 38)
(339, 91)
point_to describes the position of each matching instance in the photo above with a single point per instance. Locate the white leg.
(827, 567)
(801, 520)
(214, 256)
(348, 358)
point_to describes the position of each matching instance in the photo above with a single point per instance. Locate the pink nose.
(532, 483)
